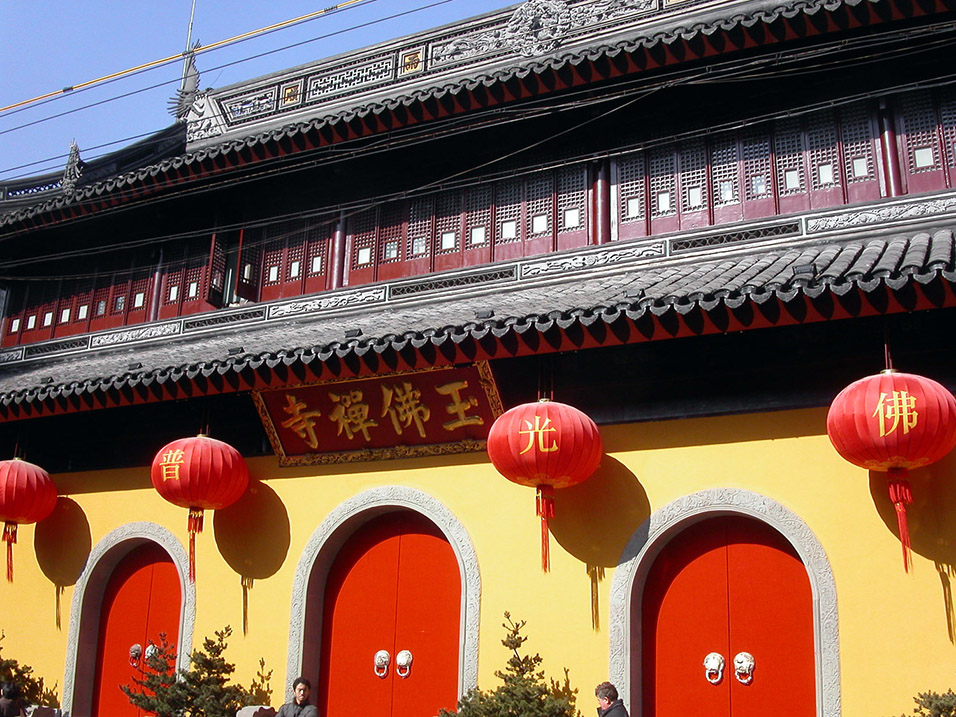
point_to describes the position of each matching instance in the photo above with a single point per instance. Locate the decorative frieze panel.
(325, 303)
(332, 84)
(589, 261)
(880, 215)
(144, 332)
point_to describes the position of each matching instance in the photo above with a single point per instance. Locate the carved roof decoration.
(590, 298)
(380, 88)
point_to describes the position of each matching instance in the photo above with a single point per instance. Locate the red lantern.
(199, 473)
(547, 445)
(27, 495)
(892, 422)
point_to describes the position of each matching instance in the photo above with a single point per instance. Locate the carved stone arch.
(651, 537)
(305, 623)
(87, 602)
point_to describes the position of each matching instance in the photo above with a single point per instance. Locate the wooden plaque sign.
(412, 413)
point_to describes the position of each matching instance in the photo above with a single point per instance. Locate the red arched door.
(727, 585)
(394, 586)
(141, 600)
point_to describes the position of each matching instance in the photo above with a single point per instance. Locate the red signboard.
(436, 411)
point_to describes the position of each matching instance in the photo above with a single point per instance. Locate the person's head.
(301, 688)
(606, 693)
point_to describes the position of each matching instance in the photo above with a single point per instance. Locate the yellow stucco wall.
(895, 629)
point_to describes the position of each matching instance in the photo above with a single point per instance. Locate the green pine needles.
(933, 704)
(524, 691)
(200, 691)
(32, 689)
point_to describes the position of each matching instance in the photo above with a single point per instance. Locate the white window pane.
(101, 307)
(727, 191)
(759, 185)
(449, 240)
(247, 271)
(391, 250)
(859, 167)
(174, 292)
(273, 273)
(509, 229)
(31, 321)
(572, 218)
(791, 179)
(663, 202)
(139, 299)
(14, 325)
(119, 303)
(478, 235)
(364, 255)
(295, 268)
(634, 207)
(317, 265)
(419, 246)
(539, 223)
(923, 157)
(48, 318)
(64, 316)
(695, 197)
(82, 312)
(193, 290)
(825, 173)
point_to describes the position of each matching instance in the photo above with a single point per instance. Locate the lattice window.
(725, 161)
(101, 298)
(919, 127)
(788, 150)
(572, 198)
(119, 297)
(448, 222)
(947, 111)
(757, 170)
(390, 232)
(478, 215)
(508, 214)
(823, 153)
(84, 298)
(217, 268)
(363, 238)
(859, 164)
(630, 184)
(540, 190)
(192, 289)
(272, 257)
(421, 215)
(139, 293)
(693, 176)
(661, 167)
(319, 237)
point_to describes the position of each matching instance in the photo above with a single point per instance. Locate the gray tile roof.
(603, 304)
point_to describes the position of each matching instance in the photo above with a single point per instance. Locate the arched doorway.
(788, 535)
(726, 586)
(393, 587)
(141, 602)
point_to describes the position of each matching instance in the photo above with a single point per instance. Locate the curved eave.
(706, 35)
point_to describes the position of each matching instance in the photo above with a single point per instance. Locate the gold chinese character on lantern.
(402, 403)
(537, 430)
(351, 414)
(459, 406)
(171, 462)
(900, 409)
(302, 422)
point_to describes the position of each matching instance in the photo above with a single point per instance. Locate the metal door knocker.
(714, 668)
(403, 663)
(744, 664)
(135, 652)
(380, 664)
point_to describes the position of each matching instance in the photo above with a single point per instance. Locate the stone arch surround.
(656, 531)
(338, 526)
(88, 597)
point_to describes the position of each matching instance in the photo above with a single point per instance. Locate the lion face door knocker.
(714, 668)
(744, 664)
(380, 663)
(403, 663)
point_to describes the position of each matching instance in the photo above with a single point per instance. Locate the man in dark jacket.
(299, 707)
(608, 703)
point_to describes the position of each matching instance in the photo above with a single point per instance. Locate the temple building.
(694, 221)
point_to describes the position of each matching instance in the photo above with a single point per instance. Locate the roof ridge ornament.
(73, 169)
(186, 96)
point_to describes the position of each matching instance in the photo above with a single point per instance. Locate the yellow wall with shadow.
(896, 629)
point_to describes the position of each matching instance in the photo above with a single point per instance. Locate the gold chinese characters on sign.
(896, 412)
(437, 411)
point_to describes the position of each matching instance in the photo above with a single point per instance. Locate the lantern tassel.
(195, 526)
(9, 537)
(544, 504)
(901, 496)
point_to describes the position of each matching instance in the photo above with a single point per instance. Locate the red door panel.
(141, 600)
(727, 585)
(394, 586)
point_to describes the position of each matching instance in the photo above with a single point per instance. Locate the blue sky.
(51, 44)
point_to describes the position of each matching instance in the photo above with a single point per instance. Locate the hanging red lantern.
(892, 422)
(199, 473)
(27, 495)
(547, 445)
